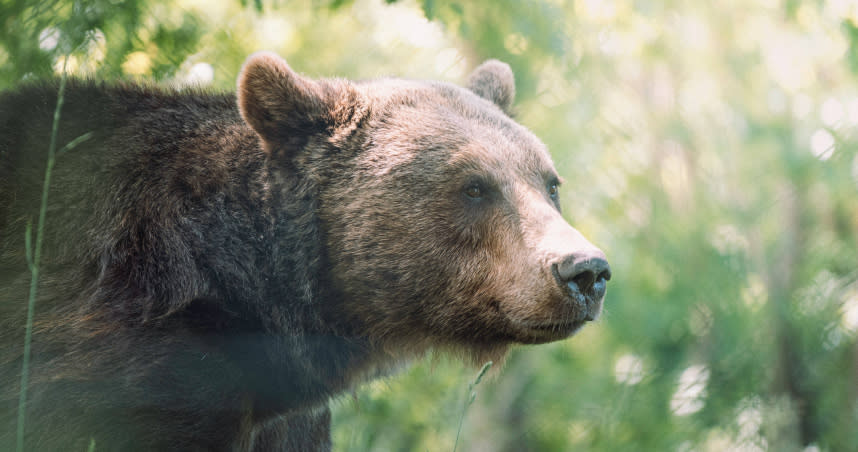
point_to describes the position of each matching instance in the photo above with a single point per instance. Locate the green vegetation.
(710, 148)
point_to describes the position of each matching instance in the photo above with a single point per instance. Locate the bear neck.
(305, 352)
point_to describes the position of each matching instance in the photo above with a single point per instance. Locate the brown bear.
(216, 267)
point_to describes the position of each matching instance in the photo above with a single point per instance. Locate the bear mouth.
(537, 333)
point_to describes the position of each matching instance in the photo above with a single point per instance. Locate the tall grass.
(472, 395)
(34, 255)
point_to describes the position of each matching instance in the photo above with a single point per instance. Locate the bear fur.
(216, 267)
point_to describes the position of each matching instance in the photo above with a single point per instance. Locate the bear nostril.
(584, 280)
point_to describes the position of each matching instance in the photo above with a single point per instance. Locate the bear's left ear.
(493, 80)
(284, 108)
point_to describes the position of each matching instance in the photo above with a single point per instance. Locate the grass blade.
(34, 254)
(472, 395)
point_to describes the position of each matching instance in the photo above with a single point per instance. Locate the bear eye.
(474, 191)
(553, 190)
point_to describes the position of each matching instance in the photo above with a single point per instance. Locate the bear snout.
(584, 276)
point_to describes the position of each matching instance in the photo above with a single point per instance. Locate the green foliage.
(35, 34)
(708, 148)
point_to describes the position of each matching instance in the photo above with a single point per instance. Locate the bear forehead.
(434, 121)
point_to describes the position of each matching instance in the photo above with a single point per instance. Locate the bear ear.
(493, 80)
(282, 106)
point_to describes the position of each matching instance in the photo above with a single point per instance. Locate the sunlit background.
(708, 147)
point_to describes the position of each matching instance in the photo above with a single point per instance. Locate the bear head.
(440, 214)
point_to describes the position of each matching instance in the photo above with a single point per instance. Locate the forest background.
(710, 148)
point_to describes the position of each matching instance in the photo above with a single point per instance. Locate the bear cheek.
(385, 262)
(505, 284)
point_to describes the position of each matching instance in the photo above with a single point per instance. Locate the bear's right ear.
(493, 80)
(282, 106)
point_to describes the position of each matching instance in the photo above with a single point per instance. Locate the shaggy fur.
(215, 271)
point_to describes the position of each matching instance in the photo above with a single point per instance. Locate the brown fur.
(215, 271)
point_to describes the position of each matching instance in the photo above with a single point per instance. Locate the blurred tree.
(99, 34)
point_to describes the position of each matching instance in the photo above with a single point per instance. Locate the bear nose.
(585, 272)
